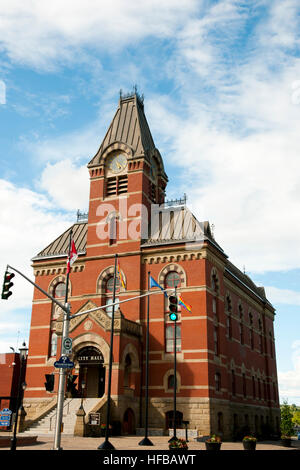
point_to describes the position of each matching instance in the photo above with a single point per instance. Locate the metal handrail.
(66, 404)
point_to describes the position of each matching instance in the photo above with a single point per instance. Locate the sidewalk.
(132, 443)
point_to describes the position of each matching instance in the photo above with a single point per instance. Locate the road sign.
(64, 363)
(67, 346)
(5, 417)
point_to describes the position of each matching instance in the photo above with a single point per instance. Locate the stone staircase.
(46, 425)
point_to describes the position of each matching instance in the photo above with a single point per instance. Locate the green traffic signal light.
(173, 307)
(7, 284)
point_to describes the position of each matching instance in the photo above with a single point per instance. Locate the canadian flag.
(72, 257)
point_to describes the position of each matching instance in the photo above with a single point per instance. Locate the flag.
(120, 276)
(184, 304)
(72, 256)
(153, 283)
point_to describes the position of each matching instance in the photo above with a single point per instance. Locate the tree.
(296, 418)
(286, 425)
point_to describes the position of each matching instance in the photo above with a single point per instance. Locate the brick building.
(10, 369)
(226, 365)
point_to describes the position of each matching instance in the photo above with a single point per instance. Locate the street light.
(82, 392)
(21, 388)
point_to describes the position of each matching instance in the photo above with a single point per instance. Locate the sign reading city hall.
(90, 355)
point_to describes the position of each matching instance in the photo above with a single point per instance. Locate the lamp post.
(82, 392)
(21, 388)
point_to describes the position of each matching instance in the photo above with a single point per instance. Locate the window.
(109, 309)
(233, 383)
(218, 381)
(171, 381)
(127, 371)
(110, 285)
(214, 282)
(228, 318)
(170, 338)
(172, 279)
(244, 386)
(60, 290)
(53, 349)
(253, 387)
(113, 229)
(241, 326)
(216, 341)
(251, 331)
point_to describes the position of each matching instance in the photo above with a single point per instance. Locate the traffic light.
(49, 384)
(7, 284)
(173, 307)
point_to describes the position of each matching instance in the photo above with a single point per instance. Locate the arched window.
(60, 290)
(109, 286)
(253, 387)
(261, 347)
(53, 349)
(127, 371)
(233, 387)
(244, 386)
(241, 325)
(218, 381)
(214, 282)
(172, 279)
(171, 381)
(216, 341)
(251, 331)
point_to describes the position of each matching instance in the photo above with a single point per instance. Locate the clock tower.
(127, 176)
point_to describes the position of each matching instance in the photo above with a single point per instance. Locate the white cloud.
(41, 34)
(282, 296)
(67, 185)
(289, 381)
(28, 224)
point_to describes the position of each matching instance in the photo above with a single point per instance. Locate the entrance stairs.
(46, 425)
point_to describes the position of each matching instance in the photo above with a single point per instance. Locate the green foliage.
(296, 418)
(286, 425)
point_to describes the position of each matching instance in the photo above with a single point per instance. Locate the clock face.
(117, 163)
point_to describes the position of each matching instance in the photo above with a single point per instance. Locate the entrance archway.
(129, 422)
(91, 371)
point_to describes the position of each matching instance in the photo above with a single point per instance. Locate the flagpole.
(146, 441)
(62, 371)
(174, 438)
(106, 445)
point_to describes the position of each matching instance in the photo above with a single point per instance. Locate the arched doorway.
(170, 419)
(129, 422)
(91, 371)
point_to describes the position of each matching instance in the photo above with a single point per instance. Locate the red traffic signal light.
(173, 307)
(7, 284)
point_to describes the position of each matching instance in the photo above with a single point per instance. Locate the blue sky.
(221, 81)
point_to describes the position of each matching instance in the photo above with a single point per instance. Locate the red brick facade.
(226, 365)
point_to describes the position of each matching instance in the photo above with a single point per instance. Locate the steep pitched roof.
(60, 246)
(129, 126)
